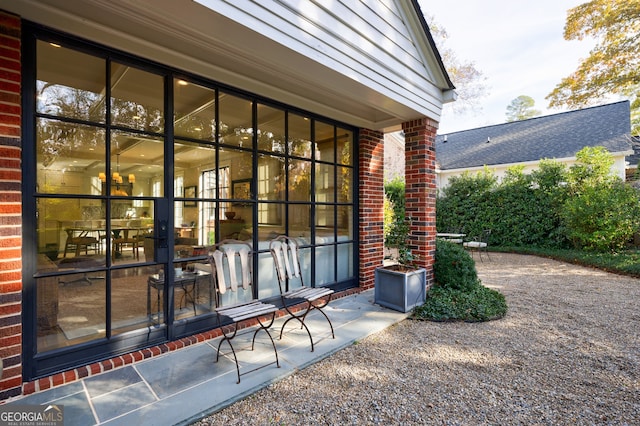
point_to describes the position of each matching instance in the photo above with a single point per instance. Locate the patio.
(183, 385)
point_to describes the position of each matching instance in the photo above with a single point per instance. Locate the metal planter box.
(400, 290)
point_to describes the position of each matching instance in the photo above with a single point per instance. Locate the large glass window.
(98, 166)
(138, 171)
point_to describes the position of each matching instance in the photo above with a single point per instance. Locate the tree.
(521, 108)
(469, 81)
(613, 65)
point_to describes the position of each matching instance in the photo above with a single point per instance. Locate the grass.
(624, 263)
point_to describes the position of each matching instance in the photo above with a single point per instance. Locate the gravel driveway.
(567, 353)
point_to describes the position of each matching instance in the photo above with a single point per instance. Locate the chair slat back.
(286, 258)
(231, 262)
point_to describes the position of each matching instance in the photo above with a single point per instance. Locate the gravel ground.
(567, 353)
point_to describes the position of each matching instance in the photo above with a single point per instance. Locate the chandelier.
(117, 185)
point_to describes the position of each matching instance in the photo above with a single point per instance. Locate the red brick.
(70, 376)
(9, 131)
(8, 20)
(82, 372)
(12, 282)
(7, 86)
(28, 388)
(44, 383)
(57, 379)
(9, 381)
(117, 362)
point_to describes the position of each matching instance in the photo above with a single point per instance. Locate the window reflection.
(344, 226)
(271, 178)
(65, 152)
(134, 105)
(235, 121)
(299, 180)
(345, 185)
(270, 129)
(325, 142)
(69, 83)
(345, 146)
(325, 189)
(300, 221)
(194, 110)
(69, 311)
(96, 193)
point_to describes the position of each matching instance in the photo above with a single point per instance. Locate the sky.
(519, 47)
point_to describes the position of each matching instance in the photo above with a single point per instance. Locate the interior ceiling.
(68, 73)
(196, 39)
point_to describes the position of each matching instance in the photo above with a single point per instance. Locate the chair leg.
(302, 317)
(229, 336)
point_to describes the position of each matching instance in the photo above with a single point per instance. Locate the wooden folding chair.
(286, 258)
(231, 273)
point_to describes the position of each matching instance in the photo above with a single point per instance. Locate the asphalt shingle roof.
(552, 136)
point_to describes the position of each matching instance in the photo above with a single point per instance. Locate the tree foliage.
(613, 65)
(469, 81)
(396, 227)
(521, 108)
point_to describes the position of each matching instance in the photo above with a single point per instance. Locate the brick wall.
(10, 208)
(371, 158)
(420, 190)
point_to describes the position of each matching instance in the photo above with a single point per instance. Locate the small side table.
(187, 282)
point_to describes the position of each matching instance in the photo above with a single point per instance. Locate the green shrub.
(602, 217)
(602, 213)
(396, 227)
(522, 210)
(585, 206)
(458, 294)
(447, 304)
(453, 267)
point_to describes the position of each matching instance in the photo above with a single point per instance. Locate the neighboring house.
(633, 160)
(393, 156)
(558, 136)
(179, 123)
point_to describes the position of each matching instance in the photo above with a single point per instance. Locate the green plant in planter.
(396, 225)
(397, 238)
(458, 294)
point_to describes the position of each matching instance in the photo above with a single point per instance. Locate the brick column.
(420, 190)
(371, 178)
(10, 208)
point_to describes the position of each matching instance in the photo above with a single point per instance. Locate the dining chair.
(293, 291)
(127, 237)
(231, 264)
(77, 240)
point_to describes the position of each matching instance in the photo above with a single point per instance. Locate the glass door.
(100, 162)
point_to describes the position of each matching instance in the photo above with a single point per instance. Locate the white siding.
(374, 42)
